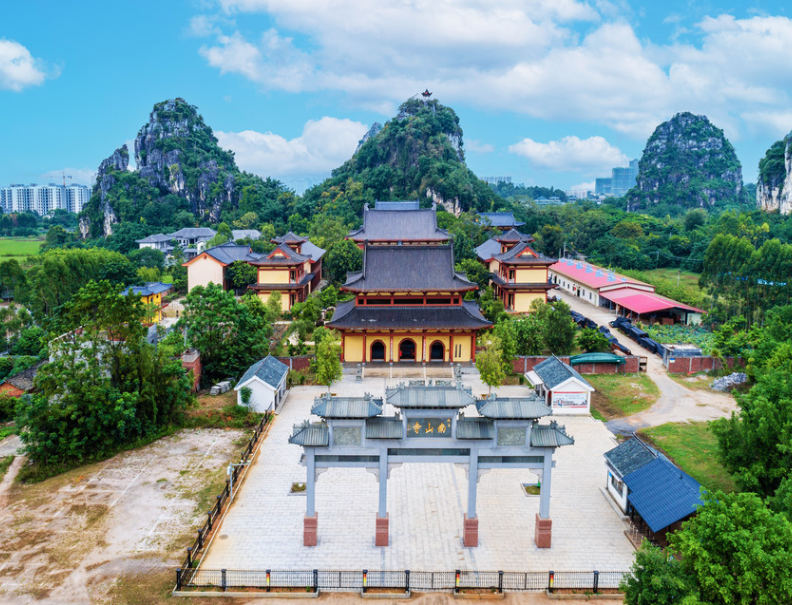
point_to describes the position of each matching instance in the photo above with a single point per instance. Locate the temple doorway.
(407, 350)
(377, 351)
(437, 351)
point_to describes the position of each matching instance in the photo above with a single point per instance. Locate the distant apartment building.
(621, 181)
(44, 199)
(494, 180)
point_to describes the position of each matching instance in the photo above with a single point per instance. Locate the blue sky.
(549, 92)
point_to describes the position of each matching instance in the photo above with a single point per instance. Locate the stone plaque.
(511, 436)
(346, 435)
(429, 428)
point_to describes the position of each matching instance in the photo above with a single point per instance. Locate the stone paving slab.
(426, 502)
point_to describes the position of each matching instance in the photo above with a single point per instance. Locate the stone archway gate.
(430, 426)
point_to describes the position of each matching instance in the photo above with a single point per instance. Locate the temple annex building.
(409, 301)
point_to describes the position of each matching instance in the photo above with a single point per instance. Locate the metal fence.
(396, 581)
(202, 539)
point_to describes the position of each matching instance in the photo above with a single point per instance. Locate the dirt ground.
(112, 532)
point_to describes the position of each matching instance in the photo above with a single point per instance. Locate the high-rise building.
(43, 199)
(620, 182)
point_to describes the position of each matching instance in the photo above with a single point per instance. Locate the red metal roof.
(591, 275)
(641, 302)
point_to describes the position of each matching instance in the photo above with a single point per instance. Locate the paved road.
(10, 445)
(676, 403)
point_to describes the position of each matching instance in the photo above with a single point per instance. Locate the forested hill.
(687, 163)
(418, 154)
(182, 176)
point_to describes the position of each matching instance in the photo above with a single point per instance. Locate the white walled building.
(44, 199)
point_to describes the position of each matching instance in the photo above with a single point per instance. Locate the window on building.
(616, 484)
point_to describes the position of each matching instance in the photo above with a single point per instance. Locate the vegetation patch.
(694, 448)
(4, 464)
(19, 248)
(619, 395)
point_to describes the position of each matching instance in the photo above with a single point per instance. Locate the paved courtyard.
(426, 502)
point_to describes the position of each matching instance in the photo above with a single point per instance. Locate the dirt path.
(8, 479)
(100, 533)
(676, 403)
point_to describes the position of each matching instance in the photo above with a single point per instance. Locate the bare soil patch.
(106, 532)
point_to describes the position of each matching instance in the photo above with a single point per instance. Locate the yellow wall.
(203, 272)
(353, 345)
(264, 295)
(273, 277)
(531, 276)
(523, 300)
(493, 267)
(156, 300)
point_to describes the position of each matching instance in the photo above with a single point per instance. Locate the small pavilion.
(432, 423)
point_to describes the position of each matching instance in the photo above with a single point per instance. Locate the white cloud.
(582, 188)
(19, 69)
(590, 155)
(517, 55)
(324, 144)
(474, 146)
(80, 176)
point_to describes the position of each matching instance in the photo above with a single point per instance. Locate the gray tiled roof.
(399, 226)
(553, 372)
(149, 288)
(475, 428)
(630, 455)
(513, 407)
(551, 435)
(662, 494)
(154, 239)
(245, 233)
(230, 252)
(444, 397)
(408, 269)
(289, 238)
(328, 406)
(269, 370)
(406, 205)
(312, 250)
(384, 428)
(193, 232)
(512, 235)
(512, 256)
(500, 219)
(310, 435)
(349, 316)
(290, 257)
(488, 249)
(24, 379)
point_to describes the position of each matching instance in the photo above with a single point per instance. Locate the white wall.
(263, 397)
(569, 402)
(203, 272)
(614, 485)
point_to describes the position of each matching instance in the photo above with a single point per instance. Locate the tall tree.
(489, 362)
(228, 335)
(328, 360)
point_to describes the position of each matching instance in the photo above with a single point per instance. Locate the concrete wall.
(298, 362)
(203, 272)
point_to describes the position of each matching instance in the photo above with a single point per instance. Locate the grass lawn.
(18, 247)
(619, 395)
(4, 464)
(694, 449)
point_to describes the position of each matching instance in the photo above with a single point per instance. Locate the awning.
(641, 302)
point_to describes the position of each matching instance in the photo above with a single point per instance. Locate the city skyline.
(551, 95)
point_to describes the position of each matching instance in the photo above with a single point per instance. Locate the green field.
(18, 248)
(619, 395)
(694, 448)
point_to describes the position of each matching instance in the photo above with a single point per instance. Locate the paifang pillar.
(544, 525)
(311, 521)
(382, 536)
(471, 521)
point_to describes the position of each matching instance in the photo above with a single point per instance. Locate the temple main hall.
(409, 301)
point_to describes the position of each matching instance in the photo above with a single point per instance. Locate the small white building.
(561, 387)
(267, 381)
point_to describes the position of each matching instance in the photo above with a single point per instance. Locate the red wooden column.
(423, 346)
(473, 347)
(364, 347)
(342, 347)
(451, 349)
(391, 346)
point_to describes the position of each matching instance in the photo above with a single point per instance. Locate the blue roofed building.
(561, 387)
(647, 486)
(266, 380)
